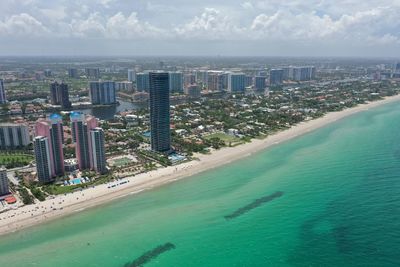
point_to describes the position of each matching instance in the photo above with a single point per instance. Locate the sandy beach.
(63, 205)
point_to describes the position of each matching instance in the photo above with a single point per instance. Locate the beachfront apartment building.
(52, 129)
(98, 150)
(80, 127)
(89, 142)
(43, 158)
(4, 187)
(159, 112)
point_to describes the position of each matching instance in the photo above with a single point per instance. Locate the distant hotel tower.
(159, 112)
(3, 98)
(73, 73)
(89, 142)
(48, 146)
(59, 95)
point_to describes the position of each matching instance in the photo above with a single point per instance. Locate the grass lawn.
(13, 160)
(226, 138)
(122, 161)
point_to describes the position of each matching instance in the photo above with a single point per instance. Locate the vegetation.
(27, 198)
(37, 193)
(14, 159)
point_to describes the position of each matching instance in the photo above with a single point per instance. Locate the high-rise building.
(52, 129)
(3, 98)
(93, 73)
(142, 82)
(98, 150)
(159, 111)
(47, 73)
(189, 79)
(193, 91)
(175, 82)
(125, 86)
(248, 81)
(54, 93)
(13, 136)
(4, 188)
(276, 77)
(236, 82)
(306, 73)
(59, 95)
(287, 73)
(202, 76)
(73, 73)
(43, 160)
(102, 93)
(131, 75)
(216, 80)
(259, 82)
(81, 128)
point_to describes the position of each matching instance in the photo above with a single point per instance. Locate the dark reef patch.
(256, 203)
(150, 255)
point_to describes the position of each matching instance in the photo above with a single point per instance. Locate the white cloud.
(22, 25)
(315, 22)
(360, 26)
(121, 27)
(211, 24)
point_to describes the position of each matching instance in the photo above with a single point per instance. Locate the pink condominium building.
(49, 148)
(89, 142)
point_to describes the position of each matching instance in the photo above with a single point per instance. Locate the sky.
(200, 28)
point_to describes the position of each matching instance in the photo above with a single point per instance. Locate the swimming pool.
(75, 181)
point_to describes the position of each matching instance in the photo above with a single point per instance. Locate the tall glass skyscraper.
(159, 112)
(59, 95)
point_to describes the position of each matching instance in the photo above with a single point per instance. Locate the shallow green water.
(340, 207)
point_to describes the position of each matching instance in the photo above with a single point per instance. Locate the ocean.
(328, 198)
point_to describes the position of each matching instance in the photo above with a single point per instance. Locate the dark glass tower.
(159, 112)
(59, 95)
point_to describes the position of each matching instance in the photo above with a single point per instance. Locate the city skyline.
(242, 28)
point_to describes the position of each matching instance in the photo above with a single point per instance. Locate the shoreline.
(64, 205)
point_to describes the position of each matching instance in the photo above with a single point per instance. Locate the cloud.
(313, 22)
(360, 26)
(210, 25)
(22, 25)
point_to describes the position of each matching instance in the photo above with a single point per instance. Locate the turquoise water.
(340, 206)
(76, 181)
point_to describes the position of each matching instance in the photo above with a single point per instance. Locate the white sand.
(67, 204)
